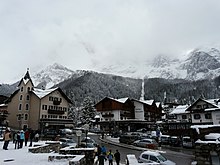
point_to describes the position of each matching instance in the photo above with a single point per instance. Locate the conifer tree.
(88, 111)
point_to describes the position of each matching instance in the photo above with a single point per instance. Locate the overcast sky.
(81, 33)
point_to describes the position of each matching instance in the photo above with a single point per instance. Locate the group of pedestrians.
(19, 138)
(103, 156)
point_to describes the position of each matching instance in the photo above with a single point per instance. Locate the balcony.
(56, 102)
(53, 111)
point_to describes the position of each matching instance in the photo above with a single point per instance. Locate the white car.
(147, 156)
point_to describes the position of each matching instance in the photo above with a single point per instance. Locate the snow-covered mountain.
(203, 63)
(53, 75)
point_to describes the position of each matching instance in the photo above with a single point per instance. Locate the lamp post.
(78, 134)
(86, 127)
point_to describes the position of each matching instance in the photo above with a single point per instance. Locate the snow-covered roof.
(3, 105)
(149, 102)
(181, 109)
(157, 104)
(213, 101)
(26, 80)
(212, 109)
(122, 100)
(42, 93)
(197, 127)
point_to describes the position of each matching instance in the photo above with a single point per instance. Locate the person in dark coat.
(32, 134)
(102, 159)
(26, 135)
(117, 156)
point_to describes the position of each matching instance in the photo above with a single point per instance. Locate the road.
(181, 157)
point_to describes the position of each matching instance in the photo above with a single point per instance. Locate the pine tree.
(88, 111)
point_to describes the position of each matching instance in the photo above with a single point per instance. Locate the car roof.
(148, 139)
(151, 153)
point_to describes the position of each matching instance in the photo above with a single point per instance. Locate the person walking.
(21, 138)
(15, 139)
(102, 158)
(32, 134)
(36, 137)
(110, 156)
(103, 150)
(26, 135)
(7, 138)
(117, 156)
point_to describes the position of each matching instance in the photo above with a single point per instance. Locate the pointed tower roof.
(27, 75)
(26, 78)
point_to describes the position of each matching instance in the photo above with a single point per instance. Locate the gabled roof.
(148, 102)
(40, 93)
(210, 101)
(122, 100)
(181, 109)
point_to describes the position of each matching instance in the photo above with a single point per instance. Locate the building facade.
(38, 109)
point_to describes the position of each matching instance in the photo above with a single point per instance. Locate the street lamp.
(78, 134)
(86, 127)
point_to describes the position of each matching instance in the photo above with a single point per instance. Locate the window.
(28, 89)
(44, 107)
(184, 117)
(27, 107)
(22, 88)
(28, 97)
(208, 116)
(21, 97)
(26, 117)
(197, 116)
(153, 158)
(50, 98)
(145, 156)
(20, 107)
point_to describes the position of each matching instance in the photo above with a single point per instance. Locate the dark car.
(50, 134)
(175, 141)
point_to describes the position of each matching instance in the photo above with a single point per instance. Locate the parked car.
(49, 134)
(212, 137)
(154, 157)
(88, 141)
(127, 139)
(165, 139)
(187, 142)
(146, 143)
(175, 141)
(65, 142)
(132, 160)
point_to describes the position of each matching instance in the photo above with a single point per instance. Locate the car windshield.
(161, 158)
